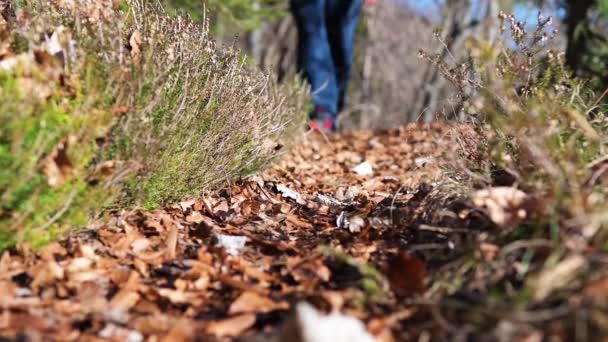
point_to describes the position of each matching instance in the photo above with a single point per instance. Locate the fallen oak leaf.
(406, 274)
(124, 300)
(289, 193)
(558, 276)
(252, 302)
(195, 217)
(505, 206)
(140, 245)
(185, 205)
(176, 296)
(79, 264)
(184, 330)
(377, 325)
(310, 269)
(57, 167)
(250, 207)
(296, 221)
(232, 326)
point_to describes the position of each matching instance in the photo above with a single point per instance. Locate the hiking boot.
(322, 120)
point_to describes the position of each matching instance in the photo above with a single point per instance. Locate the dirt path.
(330, 224)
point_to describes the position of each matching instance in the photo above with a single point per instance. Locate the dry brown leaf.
(378, 325)
(104, 170)
(249, 208)
(293, 219)
(57, 167)
(47, 273)
(251, 302)
(140, 245)
(127, 260)
(406, 274)
(184, 330)
(309, 269)
(50, 251)
(142, 267)
(176, 296)
(124, 300)
(558, 276)
(232, 326)
(79, 265)
(598, 292)
(7, 290)
(186, 204)
(152, 324)
(135, 44)
(120, 110)
(195, 217)
(172, 242)
(489, 251)
(505, 205)
(5, 262)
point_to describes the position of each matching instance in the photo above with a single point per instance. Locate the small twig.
(592, 181)
(597, 162)
(442, 230)
(438, 317)
(429, 246)
(393, 203)
(320, 131)
(599, 99)
(60, 213)
(540, 316)
(536, 243)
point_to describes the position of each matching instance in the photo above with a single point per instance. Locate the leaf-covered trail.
(335, 223)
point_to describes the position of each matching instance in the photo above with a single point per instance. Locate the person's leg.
(342, 19)
(314, 54)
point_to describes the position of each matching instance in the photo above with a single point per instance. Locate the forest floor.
(348, 223)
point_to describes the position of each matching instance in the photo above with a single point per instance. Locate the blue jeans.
(326, 34)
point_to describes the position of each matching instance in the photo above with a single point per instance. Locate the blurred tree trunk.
(587, 34)
(273, 47)
(459, 25)
(577, 11)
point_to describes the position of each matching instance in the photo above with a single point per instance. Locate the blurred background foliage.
(587, 32)
(228, 15)
(391, 85)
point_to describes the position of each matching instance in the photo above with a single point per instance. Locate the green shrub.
(106, 106)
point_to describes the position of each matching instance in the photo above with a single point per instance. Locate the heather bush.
(108, 103)
(542, 135)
